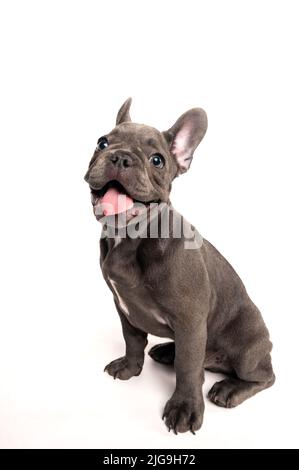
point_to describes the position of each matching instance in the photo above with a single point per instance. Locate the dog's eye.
(102, 143)
(157, 160)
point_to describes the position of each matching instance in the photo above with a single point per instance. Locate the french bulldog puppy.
(160, 286)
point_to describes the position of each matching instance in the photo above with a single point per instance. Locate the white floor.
(54, 394)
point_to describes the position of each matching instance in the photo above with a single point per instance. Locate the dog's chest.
(133, 298)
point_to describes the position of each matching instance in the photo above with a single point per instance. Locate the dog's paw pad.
(122, 369)
(224, 393)
(163, 353)
(182, 416)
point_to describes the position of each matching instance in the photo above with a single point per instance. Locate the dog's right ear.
(123, 114)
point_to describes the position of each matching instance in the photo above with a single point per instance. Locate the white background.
(66, 67)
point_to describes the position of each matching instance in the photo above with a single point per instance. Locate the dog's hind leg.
(233, 391)
(218, 361)
(250, 358)
(163, 353)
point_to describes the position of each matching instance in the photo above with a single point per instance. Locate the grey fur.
(193, 297)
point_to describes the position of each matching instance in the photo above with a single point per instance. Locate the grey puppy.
(192, 296)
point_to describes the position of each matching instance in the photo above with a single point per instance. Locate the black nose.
(122, 161)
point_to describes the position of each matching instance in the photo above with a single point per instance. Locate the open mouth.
(113, 199)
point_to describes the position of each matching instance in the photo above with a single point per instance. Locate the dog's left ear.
(123, 114)
(185, 135)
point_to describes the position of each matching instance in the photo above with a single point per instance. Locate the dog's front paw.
(123, 369)
(183, 414)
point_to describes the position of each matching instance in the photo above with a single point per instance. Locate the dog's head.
(135, 163)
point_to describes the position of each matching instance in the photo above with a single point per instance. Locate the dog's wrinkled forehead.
(143, 138)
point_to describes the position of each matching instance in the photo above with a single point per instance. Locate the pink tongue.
(114, 202)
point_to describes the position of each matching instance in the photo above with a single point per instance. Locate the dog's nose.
(122, 161)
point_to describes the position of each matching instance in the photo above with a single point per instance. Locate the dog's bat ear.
(123, 114)
(185, 135)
